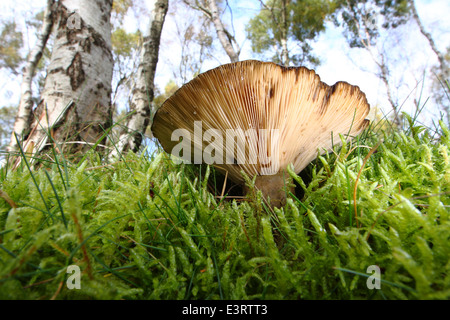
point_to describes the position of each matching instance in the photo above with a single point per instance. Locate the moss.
(148, 229)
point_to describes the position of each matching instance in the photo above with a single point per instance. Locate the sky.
(339, 63)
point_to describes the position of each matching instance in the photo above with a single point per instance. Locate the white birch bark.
(211, 10)
(143, 91)
(284, 34)
(76, 100)
(224, 37)
(23, 117)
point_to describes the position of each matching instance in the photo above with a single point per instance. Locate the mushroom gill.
(259, 117)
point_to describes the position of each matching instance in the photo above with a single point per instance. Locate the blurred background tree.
(378, 36)
(283, 31)
(11, 43)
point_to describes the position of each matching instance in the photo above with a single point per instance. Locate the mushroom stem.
(274, 188)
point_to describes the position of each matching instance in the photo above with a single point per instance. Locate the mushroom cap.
(294, 115)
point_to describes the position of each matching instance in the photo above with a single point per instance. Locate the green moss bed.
(145, 228)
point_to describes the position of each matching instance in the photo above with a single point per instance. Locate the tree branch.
(23, 117)
(427, 35)
(143, 91)
(226, 39)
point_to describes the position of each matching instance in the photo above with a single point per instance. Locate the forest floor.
(370, 220)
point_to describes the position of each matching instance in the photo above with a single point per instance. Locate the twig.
(8, 199)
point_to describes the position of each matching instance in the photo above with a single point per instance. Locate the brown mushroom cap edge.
(308, 115)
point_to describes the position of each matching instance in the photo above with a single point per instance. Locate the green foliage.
(362, 20)
(121, 7)
(125, 46)
(305, 19)
(148, 229)
(12, 58)
(7, 117)
(123, 42)
(11, 41)
(169, 89)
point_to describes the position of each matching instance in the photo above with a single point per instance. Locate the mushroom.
(259, 117)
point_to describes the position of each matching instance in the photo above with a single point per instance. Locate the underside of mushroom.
(258, 118)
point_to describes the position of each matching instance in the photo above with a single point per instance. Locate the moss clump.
(148, 229)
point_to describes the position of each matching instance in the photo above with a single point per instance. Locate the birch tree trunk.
(23, 117)
(284, 34)
(75, 105)
(224, 36)
(143, 91)
(211, 10)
